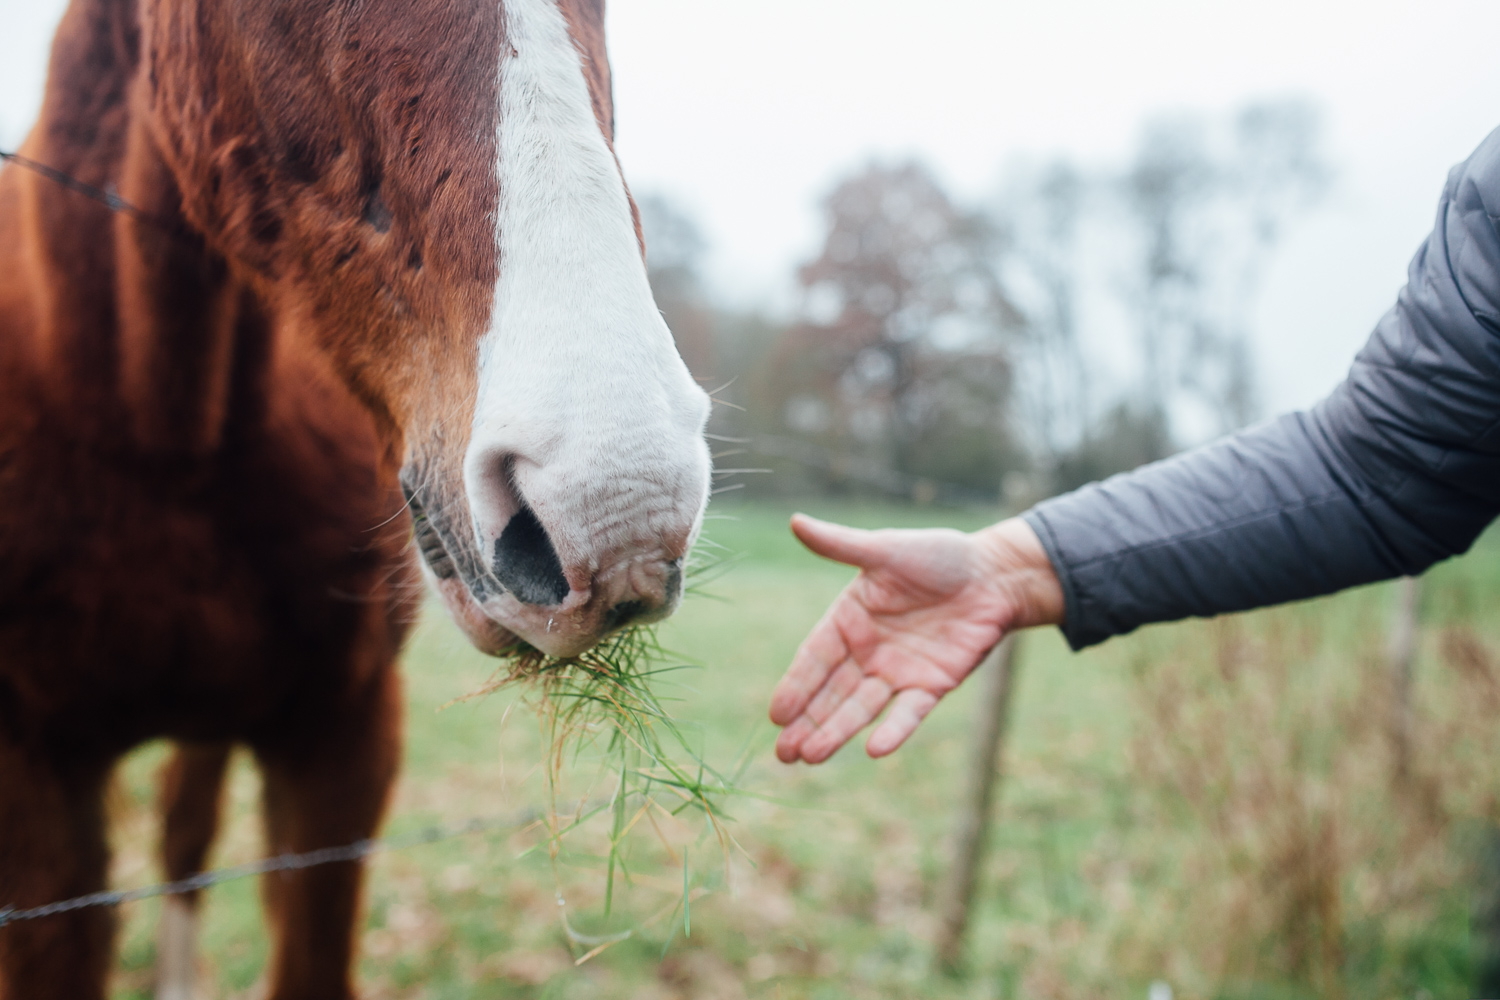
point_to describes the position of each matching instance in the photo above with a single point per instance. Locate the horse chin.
(499, 624)
(486, 634)
(569, 629)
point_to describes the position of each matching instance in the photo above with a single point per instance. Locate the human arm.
(1397, 469)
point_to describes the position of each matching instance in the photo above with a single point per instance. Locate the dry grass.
(1213, 804)
(1286, 840)
(605, 706)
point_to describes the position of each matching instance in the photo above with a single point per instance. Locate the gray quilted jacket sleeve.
(1397, 469)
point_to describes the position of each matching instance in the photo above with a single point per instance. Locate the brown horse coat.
(204, 406)
(201, 538)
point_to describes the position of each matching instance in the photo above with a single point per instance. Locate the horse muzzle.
(560, 554)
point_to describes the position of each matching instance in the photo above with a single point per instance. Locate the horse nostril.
(527, 564)
(623, 613)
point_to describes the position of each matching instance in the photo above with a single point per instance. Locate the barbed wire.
(107, 197)
(282, 862)
(356, 851)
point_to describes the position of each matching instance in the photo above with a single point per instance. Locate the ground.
(1212, 805)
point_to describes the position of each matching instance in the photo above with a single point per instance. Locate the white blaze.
(580, 384)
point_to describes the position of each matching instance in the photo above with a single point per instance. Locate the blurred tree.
(1274, 174)
(1042, 211)
(1168, 193)
(725, 349)
(1205, 218)
(1122, 438)
(1278, 170)
(674, 254)
(940, 350)
(902, 357)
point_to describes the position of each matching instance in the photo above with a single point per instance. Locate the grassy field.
(1214, 805)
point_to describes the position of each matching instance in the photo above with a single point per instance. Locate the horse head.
(425, 193)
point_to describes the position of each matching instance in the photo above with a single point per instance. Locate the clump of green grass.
(608, 700)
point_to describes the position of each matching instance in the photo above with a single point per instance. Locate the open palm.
(925, 609)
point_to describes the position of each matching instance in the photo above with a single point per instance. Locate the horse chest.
(206, 603)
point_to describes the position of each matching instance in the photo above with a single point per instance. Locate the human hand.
(926, 608)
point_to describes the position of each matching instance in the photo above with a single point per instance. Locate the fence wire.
(281, 862)
(106, 196)
(356, 851)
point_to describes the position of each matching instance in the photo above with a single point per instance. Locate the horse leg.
(191, 792)
(326, 787)
(52, 847)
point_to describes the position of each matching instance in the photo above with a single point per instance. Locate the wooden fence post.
(956, 897)
(1402, 651)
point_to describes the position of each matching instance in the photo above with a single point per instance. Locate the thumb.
(853, 546)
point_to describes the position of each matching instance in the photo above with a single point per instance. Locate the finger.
(907, 712)
(789, 743)
(841, 683)
(851, 716)
(853, 546)
(820, 653)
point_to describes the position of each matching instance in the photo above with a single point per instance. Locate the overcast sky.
(747, 112)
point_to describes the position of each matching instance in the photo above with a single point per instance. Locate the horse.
(360, 300)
